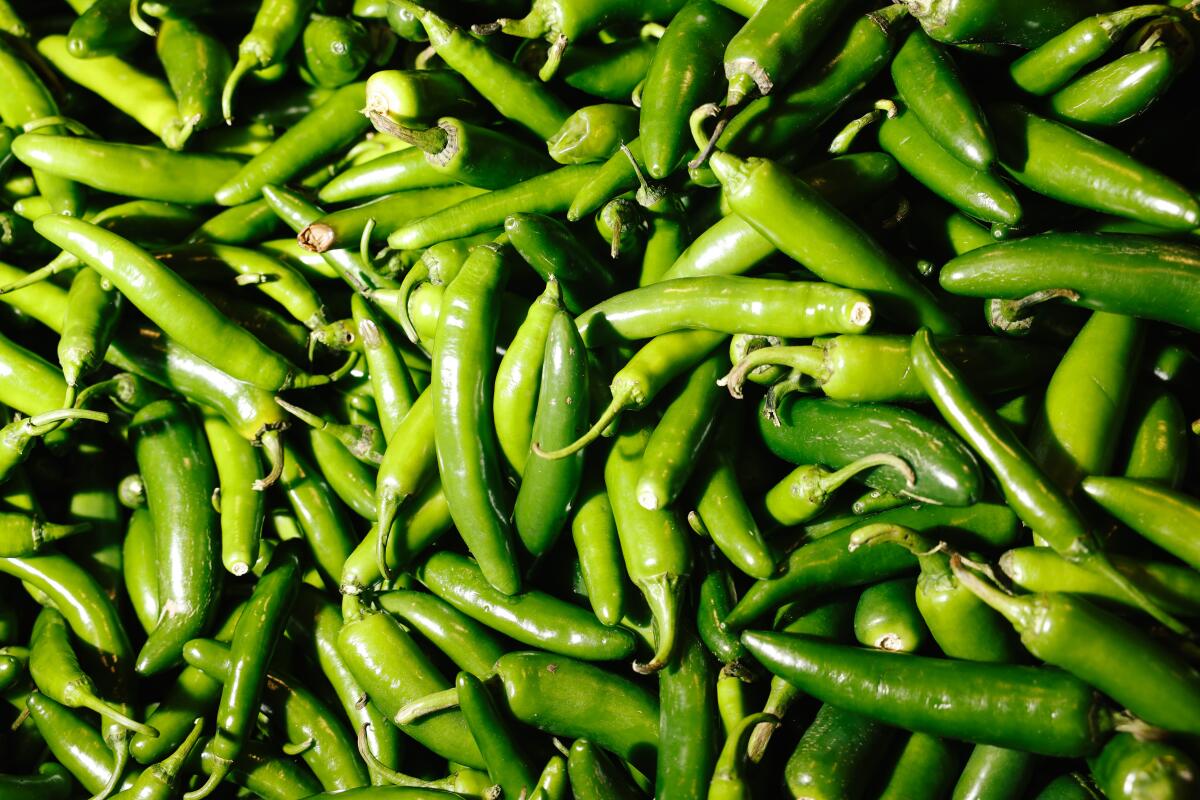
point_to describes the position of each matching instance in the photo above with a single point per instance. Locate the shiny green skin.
(471, 646)
(180, 478)
(830, 760)
(480, 157)
(553, 251)
(548, 488)
(834, 433)
(516, 95)
(1038, 569)
(806, 227)
(323, 519)
(318, 622)
(1027, 23)
(196, 64)
(877, 368)
(1053, 627)
(1166, 517)
(464, 434)
(54, 666)
(388, 793)
(1084, 407)
(975, 192)
(1071, 786)
(594, 776)
(104, 29)
(421, 94)
(507, 764)
(52, 782)
(612, 179)
(688, 728)
(1138, 276)
(926, 770)
(931, 87)
(390, 173)
(1127, 768)
(393, 671)
(732, 246)
(573, 699)
(518, 380)
(242, 508)
(682, 434)
(887, 617)
(728, 304)
(1053, 63)
(1096, 176)
(608, 71)
(1031, 708)
(73, 742)
(325, 130)
(335, 49)
(552, 19)
(775, 43)
(1119, 91)
(654, 544)
(182, 311)
(30, 384)
(962, 625)
(26, 99)
(593, 133)
(391, 382)
(994, 773)
(1035, 499)
(344, 228)
(533, 617)
(724, 510)
(132, 170)
(25, 535)
(267, 773)
(594, 534)
(685, 73)
(713, 601)
(549, 193)
(300, 713)
(141, 568)
(350, 479)
(192, 695)
(1158, 450)
(89, 325)
(255, 636)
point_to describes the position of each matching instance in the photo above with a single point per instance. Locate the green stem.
(431, 140)
(424, 706)
(806, 359)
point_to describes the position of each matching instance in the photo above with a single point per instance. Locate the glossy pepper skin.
(1030, 708)
(1027, 23)
(463, 431)
(179, 475)
(797, 220)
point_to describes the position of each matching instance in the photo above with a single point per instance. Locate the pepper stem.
(72, 125)
(120, 748)
(806, 359)
(245, 63)
(110, 712)
(662, 595)
(737, 747)
(619, 403)
(845, 137)
(135, 16)
(364, 241)
(424, 706)
(414, 276)
(171, 766)
(60, 262)
(884, 532)
(305, 380)
(1099, 563)
(272, 444)
(1013, 608)
(708, 144)
(383, 770)
(382, 537)
(307, 417)
(220, 769)
(53, 417)
(431, 140)
(834, 480)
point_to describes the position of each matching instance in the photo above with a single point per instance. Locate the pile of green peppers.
(598, 399)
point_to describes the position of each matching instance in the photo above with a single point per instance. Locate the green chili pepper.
(595, 777)
(1128, 768)
(51, 782)
(394, 172)
(1164, 516)
(1009, 21)
(687, 728)
(781, 207)
(421, 94)
(569, 698)
(724, 512)
(131, 170)
(325, 130)
(805, 491)
(392, 383)
(994, 773)
(554, 253)
(606, 182)
(927, 768)
(393, 671)
(1123, 272)
(1158, 450)
(887, 617)
(91, 320)
(1100, 177)
(196, 65)
(515, 95)
(1035, 499)
(1121, 90)
(1054, 62)
(532, 617)
(593, 133)
(1031, 708)
(609, 71)
(507, 765)
(269, 775)
(322, 518)
(545, 194)
(336, 49)
(594, 534)
(469, 645)
(277, 25)
(829, 760)
(241, 507)
(74, 743)
(1053, 625)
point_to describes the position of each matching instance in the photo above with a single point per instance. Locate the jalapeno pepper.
(829, 760)
(1162, 515)
(1010, 21)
